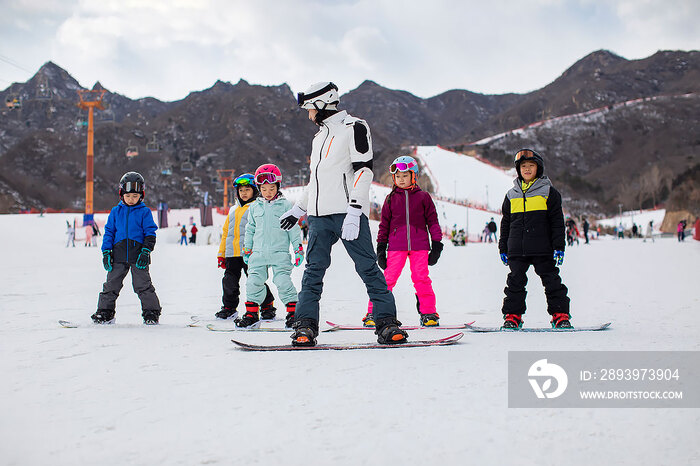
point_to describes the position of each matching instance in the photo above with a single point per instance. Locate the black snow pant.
(231, 286)
(141, 281)
(554, 289)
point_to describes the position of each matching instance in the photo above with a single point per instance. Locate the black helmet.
(532, 156)
(132, 182)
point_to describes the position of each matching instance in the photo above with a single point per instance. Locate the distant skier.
(129, 239)
(230, 255)
(304, 225)
(409, 229)
(266, 247)
(586, 227)
(492, 228)
(681, 230)
(532, 233)
(572, 233)
(621, 231)
(183, 235)
(193, 233)
(95, 233)
(70, 233)
(650, 231)
(337, 200)
(635, 230)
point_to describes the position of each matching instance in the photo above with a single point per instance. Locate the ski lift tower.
(90, 100)
(227, 177)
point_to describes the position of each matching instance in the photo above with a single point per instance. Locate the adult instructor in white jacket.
(337, 202)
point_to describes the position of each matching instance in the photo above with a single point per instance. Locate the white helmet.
(321, 96)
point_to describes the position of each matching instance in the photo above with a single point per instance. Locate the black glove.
(381, 255)
(435, 250)
(144, 258)
(107, 260)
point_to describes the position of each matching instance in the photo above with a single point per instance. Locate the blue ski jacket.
(128, 229)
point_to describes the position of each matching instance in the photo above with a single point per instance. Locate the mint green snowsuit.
(270, 245)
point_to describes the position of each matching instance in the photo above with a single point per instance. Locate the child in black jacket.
(532, 233)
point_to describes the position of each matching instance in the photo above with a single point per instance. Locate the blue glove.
(107, 259)
(144, 258)
(298, 256)
(246, 254)
(559, 257)
(504, 258)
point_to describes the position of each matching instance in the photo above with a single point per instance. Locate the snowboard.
(335, 327)
(253, 328)
(594, 328)
(452, 339)
(198, 321)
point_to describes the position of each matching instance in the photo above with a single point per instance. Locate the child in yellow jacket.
(231, 248)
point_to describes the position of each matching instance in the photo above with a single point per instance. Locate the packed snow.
(171, 394)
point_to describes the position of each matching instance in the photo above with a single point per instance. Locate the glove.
(291, 217)
(351, 224)
(107, 259)
(144, 258)
(381, 255)
(222, 262)
(246, 254)
(435, 251)
(298, 256)
(559, 257)
(504, 258)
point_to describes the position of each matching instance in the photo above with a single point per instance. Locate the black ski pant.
(140, 280)
(231, 286)
(554, 289)
(324, 232)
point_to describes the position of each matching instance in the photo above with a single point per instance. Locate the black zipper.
(524, 224)
(345, 187)
(320, 157)
(408, 223)
(128, 210)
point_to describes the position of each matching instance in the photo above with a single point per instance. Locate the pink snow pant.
(418, 260)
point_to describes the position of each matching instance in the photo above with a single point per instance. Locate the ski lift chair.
(186, 166)
(196, 181)
(152, 145)
(132, 151)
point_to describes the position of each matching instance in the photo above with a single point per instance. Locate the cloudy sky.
(167, 48)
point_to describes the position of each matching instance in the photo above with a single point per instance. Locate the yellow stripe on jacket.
(237, 236)
(518, 204)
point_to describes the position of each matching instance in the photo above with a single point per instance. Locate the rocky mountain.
(238, 126)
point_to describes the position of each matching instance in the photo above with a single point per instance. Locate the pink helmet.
(268, 173)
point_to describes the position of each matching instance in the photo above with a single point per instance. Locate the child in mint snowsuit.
(266, 247)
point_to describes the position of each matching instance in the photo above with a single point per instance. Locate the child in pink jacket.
(409, 229)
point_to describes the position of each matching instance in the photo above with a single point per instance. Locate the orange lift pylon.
(227, 177)
(90, 100)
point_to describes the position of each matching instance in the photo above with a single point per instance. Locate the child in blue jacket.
(129, 237)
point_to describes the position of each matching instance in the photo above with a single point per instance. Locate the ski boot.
(289, 320)
(226, 313)
(103, 316)
(267, 311)
(305, 333)
(430, 320)
(150, 317)
(368, 320)
(512, 321)
(561, 320)
(389, 332)
(250, 317)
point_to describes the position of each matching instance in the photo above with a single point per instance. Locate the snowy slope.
(639, 217)
(175, 395)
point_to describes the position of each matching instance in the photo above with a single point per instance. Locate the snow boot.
(561, 320)
(150, 317)
(267, 311)
(289, 320)
(305, 333)
(389, 332)
(430, 320)
(226, 313)
(368, 320)
(514, 321)
(103, 316)
(250, 317)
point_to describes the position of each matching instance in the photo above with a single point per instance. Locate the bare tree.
(653, 182)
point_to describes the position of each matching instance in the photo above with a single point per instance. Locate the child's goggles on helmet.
(243, 180)
(262, 178)
(401, 167)
(524, 154)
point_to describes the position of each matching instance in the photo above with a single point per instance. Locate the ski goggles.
(401, 167)
(243, 180)
(262, 178)
(132, 187)
(524, 154)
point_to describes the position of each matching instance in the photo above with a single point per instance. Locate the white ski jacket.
(341, 167)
